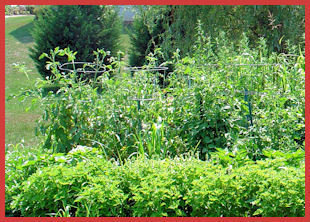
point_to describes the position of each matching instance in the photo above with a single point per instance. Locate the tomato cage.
(139, 101)
(149, 69)
(235, 68)
(156, 70)
(83, 70)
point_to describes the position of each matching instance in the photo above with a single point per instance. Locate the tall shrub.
(82, 28)
(150, 23)
(139, 37)
(279, 25)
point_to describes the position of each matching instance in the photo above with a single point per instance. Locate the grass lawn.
(19, 124)
(125, 47)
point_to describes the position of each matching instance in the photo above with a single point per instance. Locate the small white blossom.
(80, 148)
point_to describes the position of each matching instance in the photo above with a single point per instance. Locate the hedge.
(83, 183)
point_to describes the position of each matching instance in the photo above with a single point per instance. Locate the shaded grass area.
(125, 46)
(19, 124)
(23, 33)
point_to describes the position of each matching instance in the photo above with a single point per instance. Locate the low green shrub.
(19, 165)
(102, 196)
(251, 190)
(184, 186)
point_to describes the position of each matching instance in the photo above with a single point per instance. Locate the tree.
(149, 25)
(82, 28)
(174, 27)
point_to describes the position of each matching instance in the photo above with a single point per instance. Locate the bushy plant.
(139, 37)
(21, 163)
(86, 184)
(102, 113)
(30, 9)
(73, 114)
(8, 10)
(83, 28)
(68, 180)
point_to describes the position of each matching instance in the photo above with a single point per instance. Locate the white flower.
(157, 126)
(80, 148)
(159, 120)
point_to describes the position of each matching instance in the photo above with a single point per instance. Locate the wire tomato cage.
(148, 69)
(155, 69)
(84, 69)
(246, 92)
(145, 69)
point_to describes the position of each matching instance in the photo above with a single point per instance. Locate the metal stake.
(249, 117)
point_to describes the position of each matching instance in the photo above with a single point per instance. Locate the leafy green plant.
(153, 141)
(21, 163)
(57, 202)
(183, 186)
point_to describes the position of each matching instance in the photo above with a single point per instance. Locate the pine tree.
(82, 28)
(147, 31)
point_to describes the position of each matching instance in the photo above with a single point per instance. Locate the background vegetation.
(20, 9)
(173, 27)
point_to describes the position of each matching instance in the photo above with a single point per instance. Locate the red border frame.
(141, 2)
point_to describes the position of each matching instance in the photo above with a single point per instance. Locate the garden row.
(198, 107)
(83, 183)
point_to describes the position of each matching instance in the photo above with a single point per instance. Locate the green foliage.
(139, 37)
(21, 163)
(19, 166)
(18, 10)
(203, 106)
(249, 191)
(72, 115)
(85, 184)
(7, 10)
(68, 175)
(279, 25)
(146, 34)
(209, 105)
(31, 9)
(82, 28)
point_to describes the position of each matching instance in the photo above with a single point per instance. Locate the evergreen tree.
(140, 38)
(147, 33)
(82, 28)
